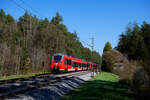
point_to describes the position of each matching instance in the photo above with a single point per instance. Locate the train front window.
(57, 58)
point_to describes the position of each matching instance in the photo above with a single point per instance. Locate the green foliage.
(57, 20)
(107, 63)
(25, 53)
(0, 67)
(23, 67)
(2, 15)
(107, 47)
(135, 42)
(9, 19)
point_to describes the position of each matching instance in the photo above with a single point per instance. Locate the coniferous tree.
(107, 47)
(135, 42)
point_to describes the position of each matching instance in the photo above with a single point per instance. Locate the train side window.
(66, 61)
(79, 64)
(69, 62)
(76, 64)
(73, 64)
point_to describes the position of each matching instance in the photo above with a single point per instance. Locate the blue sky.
(105, 20)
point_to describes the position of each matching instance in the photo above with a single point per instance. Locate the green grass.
(104, 76)
(104, 86)
(23, 76)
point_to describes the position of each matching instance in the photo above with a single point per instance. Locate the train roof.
(61, 54)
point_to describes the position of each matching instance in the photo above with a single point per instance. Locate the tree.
(2, 15)
(57, 19)
(9, 19)
(135, 42)
(145, 33)
(107, 47)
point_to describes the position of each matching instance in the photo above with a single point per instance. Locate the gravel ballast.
(54, 91)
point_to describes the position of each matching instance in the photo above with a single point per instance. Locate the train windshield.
(57, 58)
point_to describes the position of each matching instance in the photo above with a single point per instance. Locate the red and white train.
(62, 62)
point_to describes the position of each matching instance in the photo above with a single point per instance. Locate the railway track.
(19, 86)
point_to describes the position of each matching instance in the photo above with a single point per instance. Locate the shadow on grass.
(100, 90)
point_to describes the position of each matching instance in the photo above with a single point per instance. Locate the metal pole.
(92, 46)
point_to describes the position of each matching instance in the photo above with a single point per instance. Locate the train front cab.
(56, 63)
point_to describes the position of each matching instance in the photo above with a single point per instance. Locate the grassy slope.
(104, 86)
(22, 76)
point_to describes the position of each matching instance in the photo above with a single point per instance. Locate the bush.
(0, 64)
(140, 83)
(125, 81)
(117, 63)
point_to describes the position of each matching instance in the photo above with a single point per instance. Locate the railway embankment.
(55, 90)
(105, 86)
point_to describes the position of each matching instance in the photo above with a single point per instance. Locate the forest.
(135, 42)
(28, 43)
(130, 59)
(135, 45)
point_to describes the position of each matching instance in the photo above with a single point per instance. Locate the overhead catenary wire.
(13, 1)
(25, 31)
(86, 43)
(18, 5)
(27, 5)
(34, 10)
(92, 48)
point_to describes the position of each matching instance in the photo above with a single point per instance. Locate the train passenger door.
(65, 64)
(69, 64)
